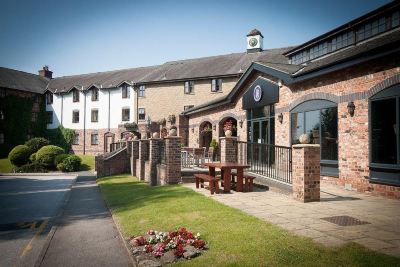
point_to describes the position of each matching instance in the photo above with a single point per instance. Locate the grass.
(87, 162)
(5, 166)
(234, 238)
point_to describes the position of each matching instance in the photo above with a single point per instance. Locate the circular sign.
(253, 42)
(257, 93)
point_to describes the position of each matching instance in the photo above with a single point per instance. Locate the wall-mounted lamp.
(280, 117)
(350, 108)
(214, 127)
(241, 123)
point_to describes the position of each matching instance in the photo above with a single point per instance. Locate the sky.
(85, 36)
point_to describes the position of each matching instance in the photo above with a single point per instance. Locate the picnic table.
(226, 170)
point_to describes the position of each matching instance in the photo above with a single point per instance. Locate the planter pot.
(228, 133)
(304, 139)
(172, 132)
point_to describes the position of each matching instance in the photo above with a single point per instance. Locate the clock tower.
(254, 41)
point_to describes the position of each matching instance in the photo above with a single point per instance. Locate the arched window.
(384, 134)
(319, 120)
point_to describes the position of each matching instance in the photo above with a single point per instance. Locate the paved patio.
(381, 231)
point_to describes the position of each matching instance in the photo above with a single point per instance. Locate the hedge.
(37, 143)
(47, 154)
(19, 155)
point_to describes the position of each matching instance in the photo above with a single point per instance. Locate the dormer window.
(142, 90)
(95, 94)
(125, 91)
(75, 95)
(49, 98)
(189, 87)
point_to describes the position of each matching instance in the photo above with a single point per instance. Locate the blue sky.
(82, 36)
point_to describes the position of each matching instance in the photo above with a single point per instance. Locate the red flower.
(199, 243)
(172, 234)
(148, 248)
(179, 250)
(189, 235)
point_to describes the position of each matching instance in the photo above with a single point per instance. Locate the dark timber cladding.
(261, 93)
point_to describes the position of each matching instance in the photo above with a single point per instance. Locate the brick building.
(341, 90)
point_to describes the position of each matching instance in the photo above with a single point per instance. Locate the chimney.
(45, 72)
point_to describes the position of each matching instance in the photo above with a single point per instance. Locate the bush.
(71, 163)
(59, 159)
(37, 143)
(31, 167)
(19, 155)
(32, 157)
(47, 154)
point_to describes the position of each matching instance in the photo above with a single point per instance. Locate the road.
(28, 207)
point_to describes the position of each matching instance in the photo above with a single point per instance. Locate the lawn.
(5, 166)
(234, 238)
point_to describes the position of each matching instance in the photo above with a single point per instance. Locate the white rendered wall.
(68, 107)
(56, 109)
(117, 103)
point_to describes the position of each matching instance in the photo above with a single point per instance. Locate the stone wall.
(113, 164)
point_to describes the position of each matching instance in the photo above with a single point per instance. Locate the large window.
(95, 115)
(319, 120)
(142, 90)
(75, 116)
(385, 135)
(125, 114)
(216, 85)
(125, 91)
(75, 140)
(75, 95)
(189, 87)
(95, 94)
(94, 138)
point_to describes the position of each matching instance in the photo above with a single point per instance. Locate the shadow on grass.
(84, 167)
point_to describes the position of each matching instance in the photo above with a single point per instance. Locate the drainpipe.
(84, 123)
(109, 106)
(62, 108)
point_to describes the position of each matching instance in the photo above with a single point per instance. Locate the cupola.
(254, 41)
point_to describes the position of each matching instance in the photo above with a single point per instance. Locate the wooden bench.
(247, 180)
(212, 182)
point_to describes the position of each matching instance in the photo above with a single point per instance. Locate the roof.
(19, 80)
(383, 45)
(224, 65)
(255, 32)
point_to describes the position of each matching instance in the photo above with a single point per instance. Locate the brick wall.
(228, 149)
(115, 164)
(172, 161)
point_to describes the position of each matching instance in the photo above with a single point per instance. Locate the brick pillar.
(228, 148)
(306, 172)
(134, 156)
(172, 160)
(154, 159)
(143, 157)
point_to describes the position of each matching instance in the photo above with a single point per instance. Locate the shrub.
(47, 154)
(70, 164)
(59, 159)
(32, 157)
(19, 155)
(37, 143)
(31, 167)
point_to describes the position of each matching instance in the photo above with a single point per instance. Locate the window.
(95, 115)
(34, 117)
(95, 94)
(187, 107)
(372, 28)
(125, 114)
(189, 87)
(94, 139)
(49, 117)
(385, 136)
(75, 140)
(318, 50)
(142, 89)
(49, 98)
(125, 91)
(319, 120)
(396, 19)
(75, 116)
(1, 138)
(342, 40)
(75, 95)
(142, 114)
(216, 85)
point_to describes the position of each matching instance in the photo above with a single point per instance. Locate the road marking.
(38, 232)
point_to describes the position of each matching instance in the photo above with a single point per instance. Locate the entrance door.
(260, 132)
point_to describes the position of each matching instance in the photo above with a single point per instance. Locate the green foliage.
(5, 166)
(37, 143)
(61, 137)
(18, 121)
(31, 167)
(71, 163)
(47, 154)
(32, 157)
(87, 162)
(60, 158)
(19, 155)
(214, 144)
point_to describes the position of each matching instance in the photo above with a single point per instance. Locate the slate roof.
(19, 80)
(224, 65)
(255, 32)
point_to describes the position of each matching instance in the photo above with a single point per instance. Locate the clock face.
(253, 42)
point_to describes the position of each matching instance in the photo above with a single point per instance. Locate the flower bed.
(159, 248)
